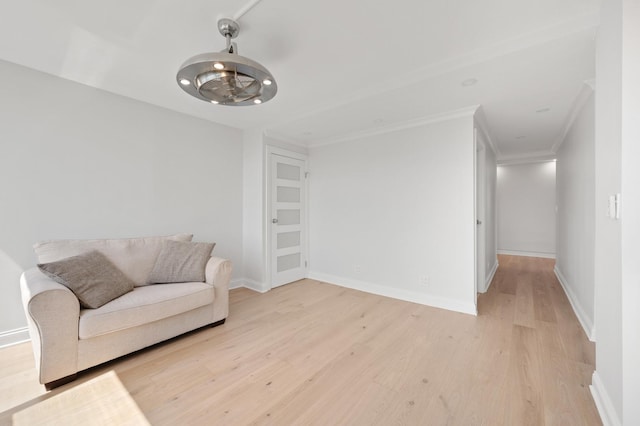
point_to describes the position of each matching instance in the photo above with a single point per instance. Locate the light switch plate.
(614, 206)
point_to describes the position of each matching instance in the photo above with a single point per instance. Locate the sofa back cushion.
(181, 262)
(93, 278)
(135, 257)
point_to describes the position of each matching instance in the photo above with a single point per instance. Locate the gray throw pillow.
(180, 262)
(91, 276)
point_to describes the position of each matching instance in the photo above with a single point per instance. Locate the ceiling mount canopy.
(225, 77)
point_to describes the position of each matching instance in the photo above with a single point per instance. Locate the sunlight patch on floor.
(101, 401)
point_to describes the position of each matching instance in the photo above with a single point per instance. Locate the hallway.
(552, 360)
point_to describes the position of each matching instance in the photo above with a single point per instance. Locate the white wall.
(526, 209)
(630, 225)
(490, 216)
(607, 380)
(12, 319)
(253, 213)
(390, 209)
(76, 162)
(288, 146)
(575, 186)
(616, 381)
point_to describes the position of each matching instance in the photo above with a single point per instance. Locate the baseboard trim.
(394, 293)
(13, 337)
(585, 321)
(528, 253)
(236, 284)
(603, 402)
(256, 286)
(249, 284)
(489, 280)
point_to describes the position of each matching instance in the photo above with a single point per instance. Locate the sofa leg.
(54, 384)
(217, 323)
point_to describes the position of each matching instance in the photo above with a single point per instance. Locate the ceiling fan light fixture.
(226, 77)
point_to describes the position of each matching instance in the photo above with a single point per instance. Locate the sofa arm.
(218, 274)
(53, 313)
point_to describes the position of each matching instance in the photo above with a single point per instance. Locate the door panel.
(288, 219)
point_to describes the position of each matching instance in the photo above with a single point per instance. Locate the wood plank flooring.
(313, 353)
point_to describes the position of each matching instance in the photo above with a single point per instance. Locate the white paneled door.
(287, 220)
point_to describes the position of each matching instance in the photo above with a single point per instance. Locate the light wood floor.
(313, 353)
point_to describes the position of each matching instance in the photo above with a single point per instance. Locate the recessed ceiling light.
(218, 66)
(185, 82)
(266, 82)
(545, 109)
(214, 102)
(257, 101)
(469, 82)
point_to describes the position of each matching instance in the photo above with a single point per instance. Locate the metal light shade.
(227, 78)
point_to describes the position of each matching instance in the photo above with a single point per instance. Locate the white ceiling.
(343, 68)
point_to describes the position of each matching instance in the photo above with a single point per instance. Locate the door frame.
(480, 213)
(271, 150)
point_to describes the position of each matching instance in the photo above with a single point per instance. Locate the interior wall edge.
(395, 293)
(603, 402)
(583, 318)
(13, 337)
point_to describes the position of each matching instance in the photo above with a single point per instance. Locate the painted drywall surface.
(253, 197)
(490, 218)
(630, 219)
(608, 154)
(575, 186)
(76, 162)
(11, 313)
(392, 208)
(487, 216)
(526, 208)
(289, 146)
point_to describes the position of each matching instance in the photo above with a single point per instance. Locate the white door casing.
(287, 218)
(480, 215)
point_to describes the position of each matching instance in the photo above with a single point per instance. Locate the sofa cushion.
(133, 256)
(93, 278)
(144, 305)
(180, 262)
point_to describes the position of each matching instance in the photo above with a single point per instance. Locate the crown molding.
(587, 22)
(394, 127)
(578, 104)
(528, 158)
(272, 134)
(481, 122)
(591, 83)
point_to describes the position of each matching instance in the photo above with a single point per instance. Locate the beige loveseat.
(67, 338)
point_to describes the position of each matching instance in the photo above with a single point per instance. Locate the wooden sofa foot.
(52, 385)
(217, 323)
